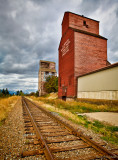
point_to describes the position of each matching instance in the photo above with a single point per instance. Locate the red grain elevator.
(81, 50)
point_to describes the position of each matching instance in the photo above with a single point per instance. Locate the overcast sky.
(30, 30)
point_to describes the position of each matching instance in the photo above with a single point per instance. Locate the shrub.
(51, 84)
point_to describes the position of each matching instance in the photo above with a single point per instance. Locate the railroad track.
(54, 139)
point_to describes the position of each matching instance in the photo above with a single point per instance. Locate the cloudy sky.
(30, 30)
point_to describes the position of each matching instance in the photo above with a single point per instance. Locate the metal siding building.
(100, 84)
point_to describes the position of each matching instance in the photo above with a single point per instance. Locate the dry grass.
(6, 104)
(65, 113)
(53, 96)
(78, 106)
(111, 103)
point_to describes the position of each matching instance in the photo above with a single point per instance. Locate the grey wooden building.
(46, 68)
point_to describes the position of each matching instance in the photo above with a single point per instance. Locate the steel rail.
(86, 139)
(47, 151)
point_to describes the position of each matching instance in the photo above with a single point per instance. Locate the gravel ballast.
(11, 133)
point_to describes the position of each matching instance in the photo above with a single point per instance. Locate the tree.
(32, 94)
(37, 93)
(6, 92)
(3, 91)
(1, 94)
(17, 93)
(51, 84)
(21, 93)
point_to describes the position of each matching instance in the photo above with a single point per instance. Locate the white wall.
(99, 85)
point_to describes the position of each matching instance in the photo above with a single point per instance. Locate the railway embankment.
(76, 112)
(14, 133)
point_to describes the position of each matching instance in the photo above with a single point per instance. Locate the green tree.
(37, 93)
(32, 94)
(3, 91)
(51, 84)
(21, 93)
(6, 92)
(1, 94)
(17, 93)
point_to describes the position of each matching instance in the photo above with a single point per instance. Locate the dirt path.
(109, 117)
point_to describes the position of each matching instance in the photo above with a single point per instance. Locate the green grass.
(112, 128)
(107, 131)
(112, 139)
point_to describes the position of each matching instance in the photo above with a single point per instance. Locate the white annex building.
(99, 84)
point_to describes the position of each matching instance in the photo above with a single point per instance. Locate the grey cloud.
(87, 7)
(19, 82)
(117, 12)
(31, 30)
(21, 49)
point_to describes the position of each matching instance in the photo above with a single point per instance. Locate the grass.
(80, 107)
(112, 103)
(6, 104)
(69, 109)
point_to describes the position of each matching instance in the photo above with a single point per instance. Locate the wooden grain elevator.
(81, 50)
